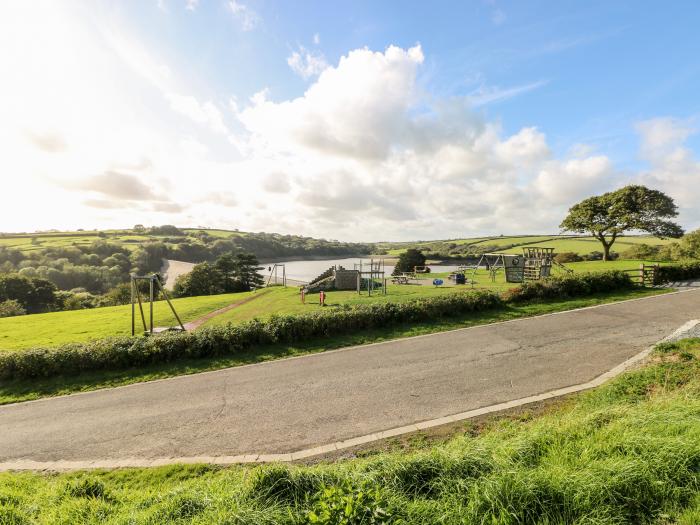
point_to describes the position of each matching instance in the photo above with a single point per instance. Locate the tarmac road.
(292, 404)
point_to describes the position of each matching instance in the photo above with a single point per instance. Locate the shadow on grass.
(25, 390)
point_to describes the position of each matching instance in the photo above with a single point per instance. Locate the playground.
(50, 329)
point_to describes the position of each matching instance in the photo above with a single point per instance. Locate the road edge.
(689, 327)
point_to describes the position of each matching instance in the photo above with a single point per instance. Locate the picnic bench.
(403, 278)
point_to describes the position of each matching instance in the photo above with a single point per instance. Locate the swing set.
(153, 282)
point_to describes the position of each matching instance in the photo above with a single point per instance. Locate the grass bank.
(23, 390)
(627, 452)
(51, 329)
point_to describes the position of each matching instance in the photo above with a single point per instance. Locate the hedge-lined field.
(627, 452)
(124, 352)
(229, 339)
(56, 328)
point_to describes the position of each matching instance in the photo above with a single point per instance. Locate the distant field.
(39, 241)
(582, 245)
(586, 245)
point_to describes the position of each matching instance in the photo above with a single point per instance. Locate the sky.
(357, 121)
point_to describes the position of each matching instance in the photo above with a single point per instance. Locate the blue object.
(437, 282)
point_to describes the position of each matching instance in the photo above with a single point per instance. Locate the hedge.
(125, 352)
(567, 286)
(678, 272)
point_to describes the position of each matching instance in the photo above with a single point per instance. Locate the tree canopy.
(632, 208)
(230, 273)
(408, 261)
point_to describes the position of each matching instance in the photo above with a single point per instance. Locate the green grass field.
(81, 325)
(582, 245)
(626, 452)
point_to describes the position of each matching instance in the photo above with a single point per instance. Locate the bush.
(124, 352)
(679, 272)
(641, 252)
(570, 286)
(568, 257)
(10, 308)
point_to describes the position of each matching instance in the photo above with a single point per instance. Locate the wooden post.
(150, 291)
(165, 294)
(133, 308)
(641, 274)
(138, 297)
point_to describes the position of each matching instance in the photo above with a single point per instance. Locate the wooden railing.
(645, 275)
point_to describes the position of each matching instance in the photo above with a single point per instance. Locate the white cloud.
(307, 63)
(355, 109)
(672, 166)
(365, 153)
(191, 5)
(276, 182)
(317, 39)
(365, 145)
(246, 16)
(487, 95)
(202, 113)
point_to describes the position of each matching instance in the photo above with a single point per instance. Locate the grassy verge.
(627, 452)
(23, 390)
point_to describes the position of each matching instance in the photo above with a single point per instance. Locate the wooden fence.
(645, 275)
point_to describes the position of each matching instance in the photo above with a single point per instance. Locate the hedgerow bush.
(563, 287)
(679, 272)
(124, 352)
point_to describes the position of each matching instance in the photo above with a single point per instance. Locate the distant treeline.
(96, 274)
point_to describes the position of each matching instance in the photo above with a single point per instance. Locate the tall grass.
(628, 452)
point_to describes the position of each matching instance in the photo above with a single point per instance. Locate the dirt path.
(192, 325)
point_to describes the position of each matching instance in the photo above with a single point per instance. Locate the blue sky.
(545, 101)
(594, 68)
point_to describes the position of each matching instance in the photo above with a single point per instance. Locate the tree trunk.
(606, 251)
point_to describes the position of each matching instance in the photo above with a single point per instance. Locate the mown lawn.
(55, 328)
(627, 452)
(288, 301)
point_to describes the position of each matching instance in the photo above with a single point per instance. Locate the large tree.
(408, 261)
(632, 208)
(246, 271)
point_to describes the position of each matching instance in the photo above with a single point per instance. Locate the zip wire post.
(167, 298)
(133, 308)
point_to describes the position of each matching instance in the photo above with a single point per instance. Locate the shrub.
(577, 285)
(641, 251)
(679, 272)
(10, 308)
(567, 257)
